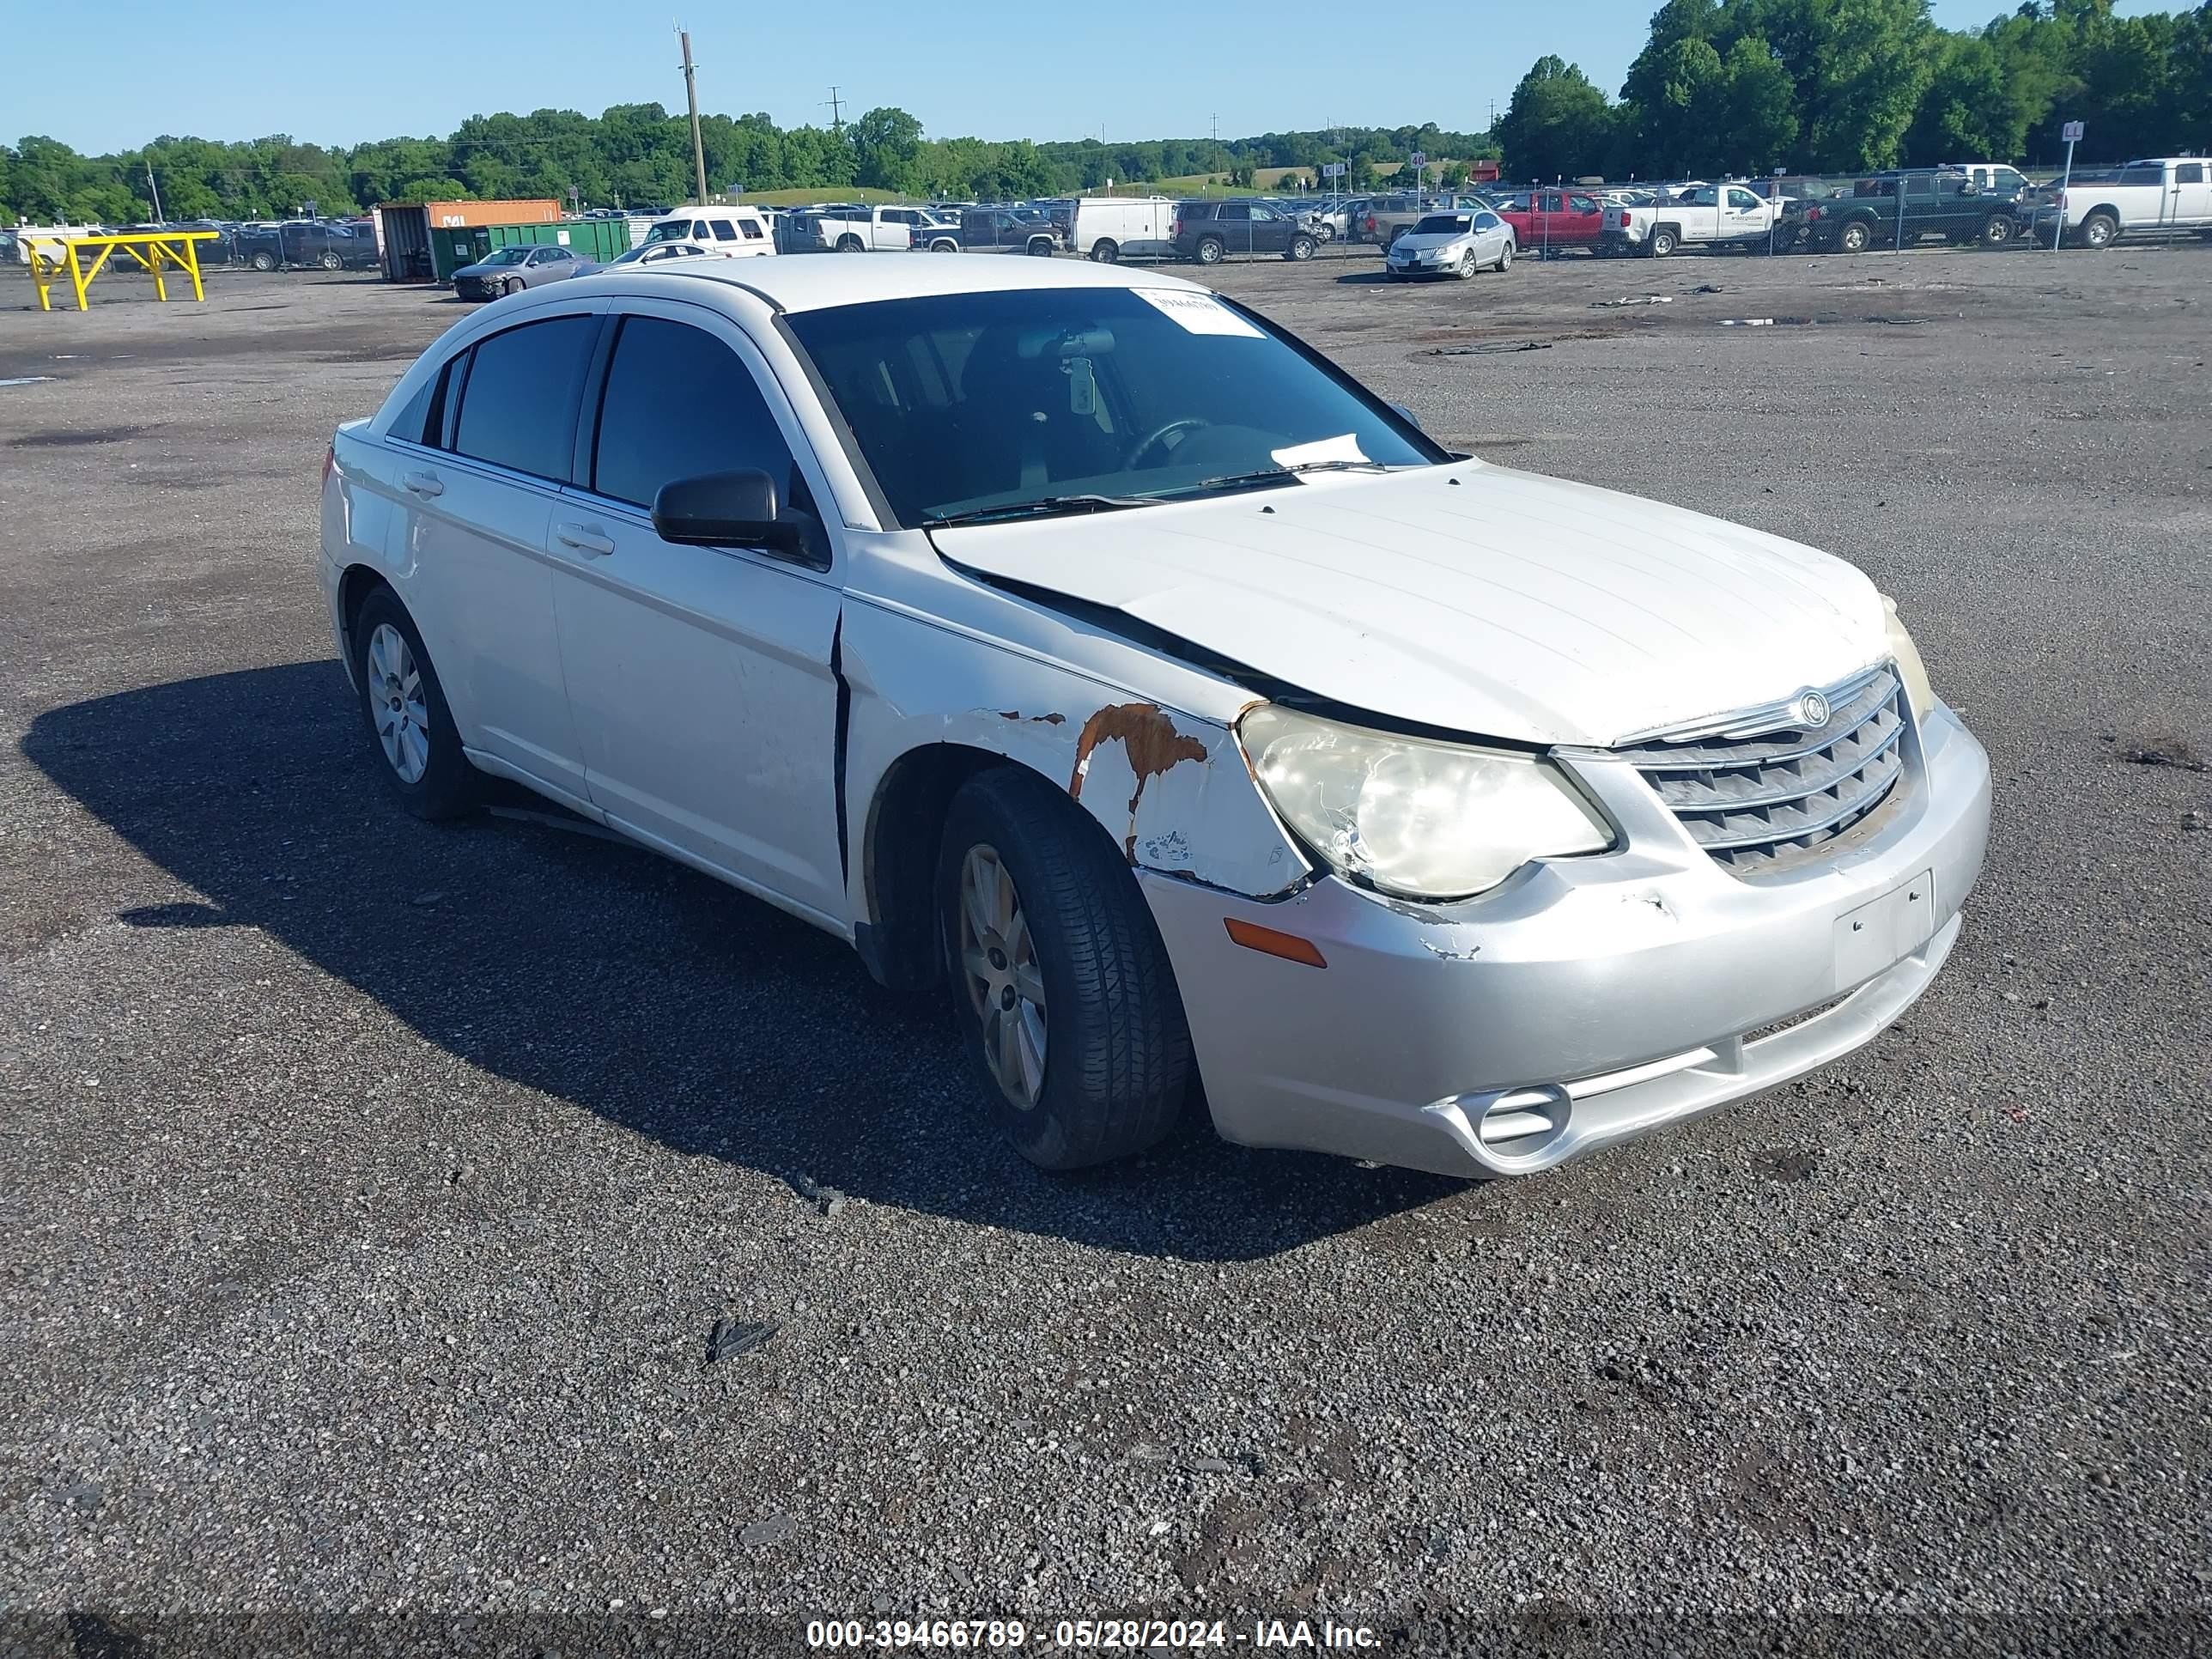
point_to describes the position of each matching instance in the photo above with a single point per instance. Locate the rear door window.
(725, 231)
(2188, 173)
(518, 400)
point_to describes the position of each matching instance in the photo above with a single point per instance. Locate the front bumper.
(1595, 999)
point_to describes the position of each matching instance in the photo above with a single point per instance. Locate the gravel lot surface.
(371, 1189)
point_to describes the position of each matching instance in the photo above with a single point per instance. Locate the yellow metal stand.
(150, 248)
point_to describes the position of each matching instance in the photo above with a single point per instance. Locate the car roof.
(798, 282)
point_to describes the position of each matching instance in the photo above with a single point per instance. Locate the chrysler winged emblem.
(1811, 710)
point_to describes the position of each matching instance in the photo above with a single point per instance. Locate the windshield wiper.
(1274, 475)
(1043, 507)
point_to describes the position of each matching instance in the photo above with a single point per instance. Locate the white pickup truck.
(1716, 214)
(2169, 197)
(860, 229)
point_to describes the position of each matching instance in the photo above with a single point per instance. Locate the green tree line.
(640, 153)
(1844, 86)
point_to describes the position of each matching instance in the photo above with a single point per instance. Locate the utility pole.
(691, 96)
(1217, 143)
(157, 189)
(836, 112)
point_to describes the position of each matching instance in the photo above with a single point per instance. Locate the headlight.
(1910, 669)
(1420, 819)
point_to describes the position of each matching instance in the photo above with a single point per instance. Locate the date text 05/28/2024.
(1100, 1635)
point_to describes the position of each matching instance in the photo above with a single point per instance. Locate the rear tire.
(1506, 257)
(1104, 253)
(329, 262)
(403, 711)
(1853, 238)
(1661, 243)
(1210, 250)
(2100, 230)
(1095, 1066)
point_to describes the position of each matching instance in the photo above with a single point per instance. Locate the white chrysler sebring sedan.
(1072, 637)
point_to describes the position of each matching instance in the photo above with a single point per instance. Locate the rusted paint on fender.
(1151, 743)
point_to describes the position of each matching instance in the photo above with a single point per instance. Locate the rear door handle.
(424, 484)
(584, 539)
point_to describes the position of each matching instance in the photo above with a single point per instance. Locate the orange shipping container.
(427, 241)
(452, 216)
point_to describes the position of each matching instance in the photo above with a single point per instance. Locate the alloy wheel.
(1005, 985)
(397, 703)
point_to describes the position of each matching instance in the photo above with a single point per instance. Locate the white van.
(733, 232)
(1110, 228)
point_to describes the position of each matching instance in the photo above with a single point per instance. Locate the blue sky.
(103, 76)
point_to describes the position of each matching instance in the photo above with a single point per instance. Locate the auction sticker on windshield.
(1197, 313)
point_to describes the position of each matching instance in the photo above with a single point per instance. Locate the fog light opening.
(1525, 1121)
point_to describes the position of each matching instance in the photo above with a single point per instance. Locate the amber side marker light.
(1268, 942)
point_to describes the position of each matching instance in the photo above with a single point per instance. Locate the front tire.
(417, 748)
(264, 262)
(1996, 230)
(1302, 248)
(512, 285)
(1063, 991)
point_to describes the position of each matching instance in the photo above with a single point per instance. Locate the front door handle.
(424, 484)
(584, 539)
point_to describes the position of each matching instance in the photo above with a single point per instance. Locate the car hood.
(486, 270)
(1468, 597)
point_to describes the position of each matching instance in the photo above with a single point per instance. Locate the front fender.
(1169, 787)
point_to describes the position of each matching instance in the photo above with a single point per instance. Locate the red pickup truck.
(1554, 218)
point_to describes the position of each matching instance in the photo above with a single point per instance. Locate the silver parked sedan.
(511, 270)
(1457, 243)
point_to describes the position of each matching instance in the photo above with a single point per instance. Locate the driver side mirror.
(724, 509)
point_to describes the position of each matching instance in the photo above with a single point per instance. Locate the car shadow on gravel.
(602, 975)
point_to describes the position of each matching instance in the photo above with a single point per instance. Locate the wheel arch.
(1169, 791)
(357, 583)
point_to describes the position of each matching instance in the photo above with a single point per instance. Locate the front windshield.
(1443, 224)
(668, 230)
(506, 255)
(966, 402)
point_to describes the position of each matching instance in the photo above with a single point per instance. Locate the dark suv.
(1906, 205)
(1209, 231)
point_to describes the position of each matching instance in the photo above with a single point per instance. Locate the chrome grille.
(1760, 789)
